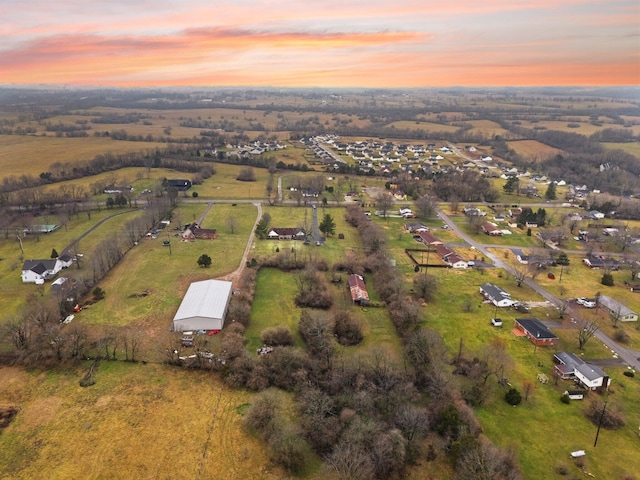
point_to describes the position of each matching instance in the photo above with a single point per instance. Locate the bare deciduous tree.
(586, 329)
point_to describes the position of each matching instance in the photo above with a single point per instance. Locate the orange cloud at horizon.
(412, 43)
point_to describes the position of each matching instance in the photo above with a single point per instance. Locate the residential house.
(429, 239)
(286, 234)
(66, 260)
(515, 212)
(535, 331)
(473, 212)
(594, 215)
(456, 261)
(597, 263)
(491, 229)
(37, 271)
(450, 257)
(194, 232)
(617, 310)
(496, 295)
(358, 289)
(415, 227)
(181, 185)
(570, 366)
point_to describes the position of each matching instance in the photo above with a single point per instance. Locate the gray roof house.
(617, 309)
(570, 366)
(204, 306)
(496, 295)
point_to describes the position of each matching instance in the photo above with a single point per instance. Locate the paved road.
(627, 356)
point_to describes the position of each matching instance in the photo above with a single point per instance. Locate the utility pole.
(20, 240)
(604, 408)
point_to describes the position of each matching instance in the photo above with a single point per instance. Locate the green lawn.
(377, 327)
(165, 273)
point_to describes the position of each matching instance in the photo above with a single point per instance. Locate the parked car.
(521, 307)
(496, 322)
(586, 302)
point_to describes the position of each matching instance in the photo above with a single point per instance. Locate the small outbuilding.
(358, 289)
(204, 306)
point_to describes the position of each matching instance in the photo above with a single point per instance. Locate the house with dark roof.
(570, 366)
(429, 239)
(37, 271)
(194, 232)
(496, 295)
(286, 234)
(491, 229)
(536, 331)
(179, 184)
(597, 263)
(358, 289)
(450, 257)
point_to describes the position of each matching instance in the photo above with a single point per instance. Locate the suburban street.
(626, 356)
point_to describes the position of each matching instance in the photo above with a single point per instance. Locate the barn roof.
(208, 298)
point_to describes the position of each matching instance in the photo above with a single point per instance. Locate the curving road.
(629, 357)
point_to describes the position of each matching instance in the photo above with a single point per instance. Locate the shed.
(575, 394)
(204, 306)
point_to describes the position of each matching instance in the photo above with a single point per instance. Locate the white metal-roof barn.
(203, 307)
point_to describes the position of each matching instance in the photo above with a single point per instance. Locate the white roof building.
(204, 306)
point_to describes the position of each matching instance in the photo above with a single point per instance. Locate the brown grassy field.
(487, 127)
(137, 421)
(21, 154)
(584, 128)
(423, 126)
(534, 150)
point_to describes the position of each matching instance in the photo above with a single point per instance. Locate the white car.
(496, 322)
(586, 302)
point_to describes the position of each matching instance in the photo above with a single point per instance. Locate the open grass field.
(230, 118)
(583, 128)
(486, 127)
(14, 292)
(423, 126)
(20, 154)
(289, 216)
(377, 327)
(547, 430)
(164, 274)
(138, 421)
(532, 149)
(630, 147)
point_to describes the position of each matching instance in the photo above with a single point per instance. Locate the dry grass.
(20, 154)
(422, 126)
(534, 150)
(137, 421)
(487, 127)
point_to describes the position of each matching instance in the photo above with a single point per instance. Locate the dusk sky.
(323, 43)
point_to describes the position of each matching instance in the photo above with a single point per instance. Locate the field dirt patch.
(7, 414)
(144, 293)
(39, 412)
